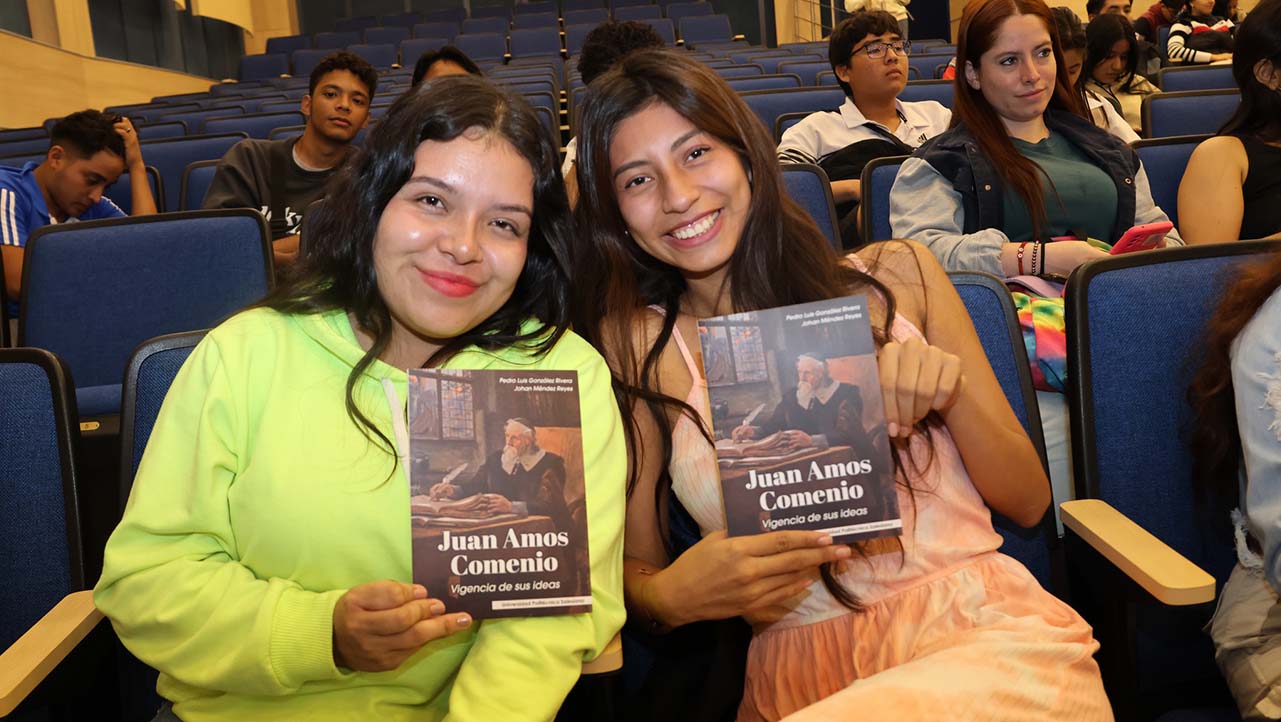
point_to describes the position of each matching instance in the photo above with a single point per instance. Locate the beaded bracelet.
(1033, 264)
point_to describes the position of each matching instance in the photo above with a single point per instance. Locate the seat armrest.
(26, 663)
(610, 658)
(1166, 574)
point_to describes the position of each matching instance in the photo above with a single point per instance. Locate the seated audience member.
(896, 8)
(607, 43)
(1095, 8)
(266, 571)
(445, 60)
(1232, 186)
(869, 58)
(1042, 171)
(1237, 457)
(1072, 44)
(1111, 67)
(282, 177)
(668, 148)
(1227, 9)
(1197, 35)
(1160, 15)
(87, 152)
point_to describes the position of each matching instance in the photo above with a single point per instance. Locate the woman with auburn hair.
(682, 215)
(1237, 439)
(1232, 186)
(1022, 166)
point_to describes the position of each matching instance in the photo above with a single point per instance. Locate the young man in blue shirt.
(88, 151)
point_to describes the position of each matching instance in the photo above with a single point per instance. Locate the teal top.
(1081, 200)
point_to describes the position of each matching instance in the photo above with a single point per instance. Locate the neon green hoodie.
(258, 503)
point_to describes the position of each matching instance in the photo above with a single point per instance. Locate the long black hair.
(1101, 34)
(336, 267)
(1258, 41)
(616, 279)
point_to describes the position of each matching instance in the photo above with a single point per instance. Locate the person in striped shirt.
(1191, 40)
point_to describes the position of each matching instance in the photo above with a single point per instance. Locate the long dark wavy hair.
(980, 23)
(1215, 438)
(336, 267)
(1258, 40)
(1101, 35)
(616, 280)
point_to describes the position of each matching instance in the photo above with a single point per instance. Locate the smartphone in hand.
(1142, 238)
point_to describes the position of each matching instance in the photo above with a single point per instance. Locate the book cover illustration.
(799, 422)
(497, 493)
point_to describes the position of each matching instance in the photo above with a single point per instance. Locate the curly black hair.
(610, 42)
(343, 60)
(86, 132)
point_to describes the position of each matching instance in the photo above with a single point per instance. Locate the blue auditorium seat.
(925, 64)
(1164, 160)
(1196, 77)
(637, 12)
(1187, 112)
(166, 129)
(256, 125)
(121, 193)
(1134, 473)
(809, 186)
(770, 104)
(679, 10)
(764, 82)
(400, 20)
(737, 71)
(701, 29)
(576, 35)
(23, 133)
(536, 8)
(195, 183)
(337, 40)
(663, 26)
(877, 180)
(585, 16)
(304, 61)
(482, 46)
(258, 67)
(286, 44)
(808, 70)
(93, 291)
(352, 25)
(22, 147)
(386, 36)
(492, 11)
(536, 20)
(440, 29)
(380, 56)
(481, 25)
(535, 42)
(937, 90)
(171, 156)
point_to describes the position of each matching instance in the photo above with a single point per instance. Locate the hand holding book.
(378, 625)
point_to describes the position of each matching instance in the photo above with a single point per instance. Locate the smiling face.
(338, 108)
(1017, 74)
(683, 194)
(451, 244)
(1111, 68)
(875, 78)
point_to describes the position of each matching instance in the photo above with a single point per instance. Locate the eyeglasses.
(876, 49)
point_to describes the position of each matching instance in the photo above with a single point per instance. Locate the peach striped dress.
(951, 630)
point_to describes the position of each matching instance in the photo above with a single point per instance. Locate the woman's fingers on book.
(780, 542)
(916, 378)
(799, 561)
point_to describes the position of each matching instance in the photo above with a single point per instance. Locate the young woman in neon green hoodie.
(263, 564)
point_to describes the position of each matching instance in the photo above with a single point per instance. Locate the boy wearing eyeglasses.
(869, 56)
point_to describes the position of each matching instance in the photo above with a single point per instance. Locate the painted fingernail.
(464, 621)
(436, 608)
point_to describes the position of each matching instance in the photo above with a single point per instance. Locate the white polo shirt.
(825, 132)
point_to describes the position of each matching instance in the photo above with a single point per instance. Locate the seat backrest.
(527, 84)
(121, 193)
(477, 25)
(353, 25)
(576, 34)
(339, 39)
(637, 12)
(663, 26)
(937, 90)
(705, 29)
(305, 60)
(166, 129)
(808, 185)
(260, 67)
(385, 35)
(808, 70)
(195, 183)
(447, 15)
(256, 125)
(1135, 326)
(379, 56)
(737, 71)
(925, 64)
(535, 41)
(536, 8)
(39, 519)
(827, 77)
(996, 321)
(289, 130)
(877, 180)
(1190, 112)
(482, 45)
(438, 29)
(288, 43)
(1196, 77)
(492, 11)
(676, 11)
(764, 82)
(1164, 160)
(28, 145)
(149, 373)
(282, 106)
(171, 156)
(195, 119)
(23, 134)
(770, 104)
(585, 16)
(93, 291)
(526, 21)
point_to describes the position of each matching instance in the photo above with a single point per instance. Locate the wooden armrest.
(610, 658)
(24, 665)
(1163, 572)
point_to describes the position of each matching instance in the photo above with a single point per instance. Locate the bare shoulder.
(1220, 151)
(909, 270)
(626, 349)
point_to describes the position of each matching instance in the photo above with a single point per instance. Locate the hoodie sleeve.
(1147, 211)
(924, 207)
(172, 584)
(535, 661)
(1256, 380)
